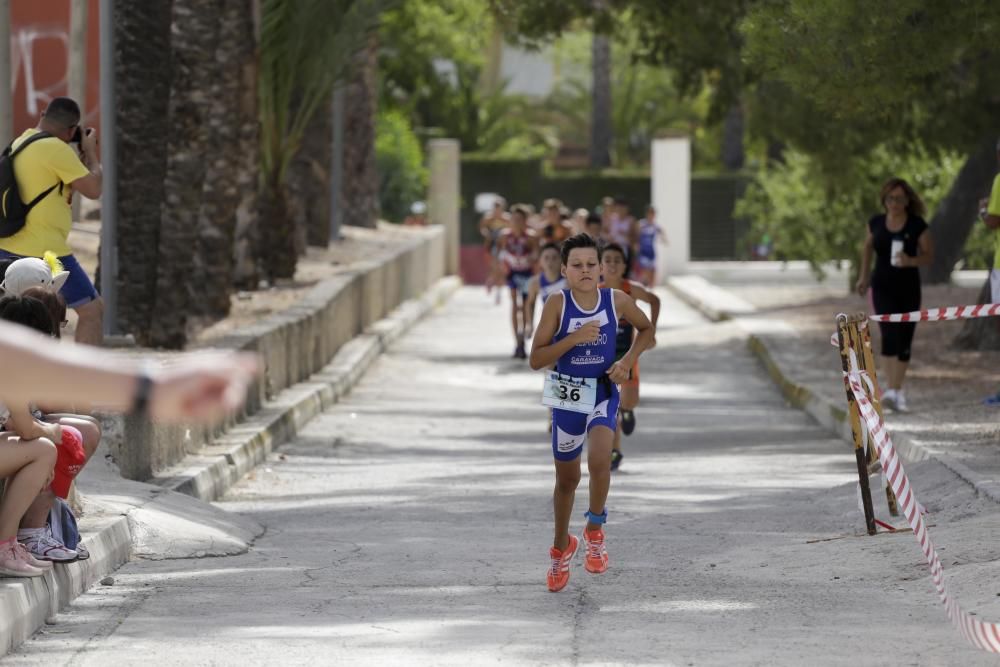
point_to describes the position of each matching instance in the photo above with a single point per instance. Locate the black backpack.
(13, 210)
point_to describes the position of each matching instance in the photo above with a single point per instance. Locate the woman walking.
(899, 240)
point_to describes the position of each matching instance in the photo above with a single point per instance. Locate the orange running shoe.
(558, 575)
(596, 560)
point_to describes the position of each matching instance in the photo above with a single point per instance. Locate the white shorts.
(995, 286)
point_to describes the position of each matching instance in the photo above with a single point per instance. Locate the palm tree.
(359, 190)
(142, 87)
(601, 132)
(306, 46)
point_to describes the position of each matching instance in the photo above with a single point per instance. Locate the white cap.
(30, 272)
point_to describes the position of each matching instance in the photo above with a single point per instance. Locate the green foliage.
(305, 48)
(812, 216)
(400, 165)
(646, 100)
(980, 247)
(907, 69)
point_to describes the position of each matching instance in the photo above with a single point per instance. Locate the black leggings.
(897, 337)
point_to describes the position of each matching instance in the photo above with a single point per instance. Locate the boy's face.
(518, 221)
(582, 269)
(594, 230)
(612, 264)
(551, 261)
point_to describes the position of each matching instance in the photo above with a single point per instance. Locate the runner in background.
(613, 270)
(578, 221)
(646, 257)
(544, 284)
(595, 227)
(518, 254)
(554, 226)
(492, 224)
(623, 229)
(576, 332)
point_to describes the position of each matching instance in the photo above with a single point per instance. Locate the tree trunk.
(981, 333)
(246, 269)
(733, 155)
(143, 68)
(601, 124)
(954, 218)
(191, 145)
(359, 193)
(309, 179)
(279, 246)
(231, 177)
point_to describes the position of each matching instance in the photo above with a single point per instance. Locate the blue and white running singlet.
(647, 243)
(548, 288)
(586, 360)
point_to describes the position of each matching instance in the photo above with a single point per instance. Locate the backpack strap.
(24, 144)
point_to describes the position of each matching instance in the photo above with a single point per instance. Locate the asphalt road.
(410, 524)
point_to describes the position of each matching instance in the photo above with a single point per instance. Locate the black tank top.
(885, 275)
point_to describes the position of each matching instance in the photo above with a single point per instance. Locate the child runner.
(577, 333)
(518, 250)
(646, 257)
(595, 227)
(491, 226)
(544, 284)
(613, 269)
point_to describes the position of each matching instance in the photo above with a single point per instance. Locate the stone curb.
(210, 473)
(832, 416)
(26, 603)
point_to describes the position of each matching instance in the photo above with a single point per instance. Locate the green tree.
(874, 72)
(306, 46)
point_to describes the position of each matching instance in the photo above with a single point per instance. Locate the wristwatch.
(143, 390)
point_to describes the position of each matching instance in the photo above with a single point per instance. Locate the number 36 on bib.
(570, 393)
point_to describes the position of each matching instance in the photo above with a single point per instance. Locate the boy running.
(518, 252)
(544, 284)
(577, 332)
(646, 258)
(613, 268)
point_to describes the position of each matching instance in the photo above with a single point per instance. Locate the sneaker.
(596, 560)
(901, 405)
(42, 565)
(616, 458)
(889, 399)
(558, 574)
(992, 400)
(628, 421)
(13, 562)
(43, 546)
(81, 552)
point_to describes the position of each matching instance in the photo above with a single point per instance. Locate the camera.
(77, 135)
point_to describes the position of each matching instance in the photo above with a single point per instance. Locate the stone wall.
(292, 345)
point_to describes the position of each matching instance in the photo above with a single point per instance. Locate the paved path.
(410, 525)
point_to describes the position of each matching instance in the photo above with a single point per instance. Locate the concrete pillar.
(671, 196)
(445, 195)
(6, 92)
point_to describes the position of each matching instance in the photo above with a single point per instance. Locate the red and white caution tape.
(941, 314)
(985, 636)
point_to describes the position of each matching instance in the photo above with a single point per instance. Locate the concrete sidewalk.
(815, 385)
(409, 524)
(169, 518)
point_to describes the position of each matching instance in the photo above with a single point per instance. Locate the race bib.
(570, 393)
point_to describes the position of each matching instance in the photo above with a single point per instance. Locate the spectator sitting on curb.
(47, 166)
(989, 213)
(34, 533)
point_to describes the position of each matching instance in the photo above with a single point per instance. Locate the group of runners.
(588, 340)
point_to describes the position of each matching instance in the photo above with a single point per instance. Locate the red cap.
(70, 458)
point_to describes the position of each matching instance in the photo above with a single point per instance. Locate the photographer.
(50, 167)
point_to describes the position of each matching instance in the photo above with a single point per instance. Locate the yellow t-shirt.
(993, 208)
(43, 164)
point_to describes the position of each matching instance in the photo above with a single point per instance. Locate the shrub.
(400, 163)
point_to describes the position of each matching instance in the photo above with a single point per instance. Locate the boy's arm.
(627, 309)
(544, 352)
(534, 286)
(640, 293)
